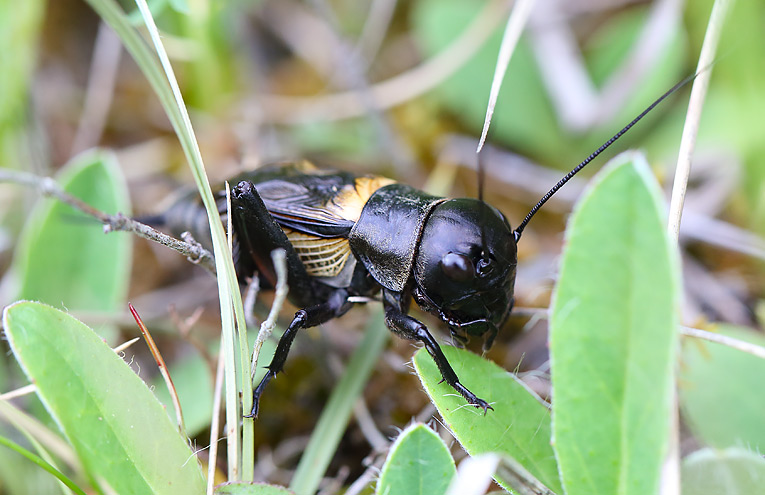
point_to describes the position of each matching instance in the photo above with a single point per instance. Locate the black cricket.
(350, 236)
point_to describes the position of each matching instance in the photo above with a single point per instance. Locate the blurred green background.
(396, 88)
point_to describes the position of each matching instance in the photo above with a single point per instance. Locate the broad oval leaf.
(730, 471)
(418, 464)
(613, 336)
(716, 391)
(117, 427)
(519, 425)
(63, 257)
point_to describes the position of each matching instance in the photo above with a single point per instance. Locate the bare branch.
(733, 343)
(48, 187)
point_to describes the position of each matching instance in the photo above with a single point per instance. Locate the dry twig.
(194, 252)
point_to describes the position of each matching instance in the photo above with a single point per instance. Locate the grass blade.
(41, 462)
(518, 17)
(334, 418)
(162, 79)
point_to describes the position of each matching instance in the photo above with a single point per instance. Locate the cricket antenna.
(519, 230)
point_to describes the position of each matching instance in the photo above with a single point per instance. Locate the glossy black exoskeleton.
(348, 236)
(351, 235)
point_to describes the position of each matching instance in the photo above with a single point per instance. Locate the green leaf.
(730, 471)
(716, 384)
(419, 463)
(63, 257)
(251, 489)
(613, 336)
(119, 430)
(18, 476)
(519, 425)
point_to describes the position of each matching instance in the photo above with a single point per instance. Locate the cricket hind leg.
(257, 235)
(336, 306)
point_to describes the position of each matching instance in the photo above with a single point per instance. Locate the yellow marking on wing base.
(326, 257)
(351, 199)
(321, 257)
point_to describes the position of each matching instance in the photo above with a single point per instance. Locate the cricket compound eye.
(485, 267)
